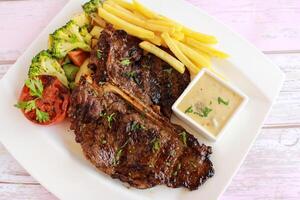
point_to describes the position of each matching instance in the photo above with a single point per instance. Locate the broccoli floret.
(81, 19)
(85, 33)
(69, 37)
(91, 6)
(44, 64)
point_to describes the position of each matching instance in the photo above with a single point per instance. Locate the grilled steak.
(118, 59)
(125, 139)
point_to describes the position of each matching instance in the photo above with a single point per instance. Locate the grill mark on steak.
(146, 76)
(142, 149)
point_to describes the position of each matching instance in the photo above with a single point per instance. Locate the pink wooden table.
(271, 171)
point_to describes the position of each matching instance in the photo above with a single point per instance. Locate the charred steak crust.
(118, 59)
(121, 138)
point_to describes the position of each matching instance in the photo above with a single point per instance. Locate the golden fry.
(115, 5)
(124, 15)
(156, 40)
(197, 58)
(145, 11)
(178, 36)
(129, 28)
(163, 55)
(178, 53)
(96, 31)
(207, 39)
(160, 22)
(204, 48)
(124, 4)
(177, 25)
(139, 15)
(96, 20)
(159, 28)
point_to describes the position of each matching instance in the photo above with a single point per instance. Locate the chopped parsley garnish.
(220, 100)
(41, 116)
(110, 118)
(31, 105)
(177, 169)
(102, 114)
(155, 144)
(27, 106)
(136, 126)
(189, 110)
(169, 71)
(125, 62)
(36, 89)
(99, 54)
(204, 112)
(117, 156)
(131, 74)
(134, 76)
(183, 137)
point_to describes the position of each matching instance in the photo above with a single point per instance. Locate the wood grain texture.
(21, 22)
(272, 25)
(275, 31)
(271, 171)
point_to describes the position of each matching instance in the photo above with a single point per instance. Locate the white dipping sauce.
(210, 103)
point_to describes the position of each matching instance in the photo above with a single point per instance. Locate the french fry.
(156, 40)
(115, 5)
(163, 55)
(137, 21)
(124, 4)
(177, 25)
(160, 28)
(96, 20)
(197, 58)
(128, 27)
(161, 22)
(94, 42)
(178, 36)
(178, 53)
(206, 49)
(124, 15)
(96, 31)
(207, 39)
(145, 11)
(139, 15)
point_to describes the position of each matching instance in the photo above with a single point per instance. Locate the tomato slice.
(54, 101)
(78, 57)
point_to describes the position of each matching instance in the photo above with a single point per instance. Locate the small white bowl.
(191, 122)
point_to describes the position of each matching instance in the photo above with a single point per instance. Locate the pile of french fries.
(191, 49)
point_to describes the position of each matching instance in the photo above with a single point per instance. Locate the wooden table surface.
(271, 170)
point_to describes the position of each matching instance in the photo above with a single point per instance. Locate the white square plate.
(51, 155)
